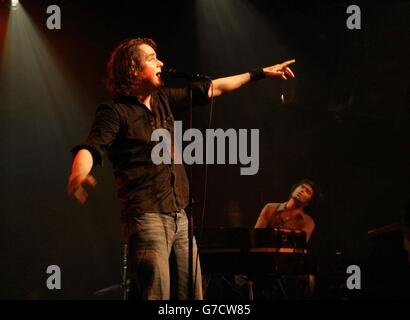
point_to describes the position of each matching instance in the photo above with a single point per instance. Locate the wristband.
(257, 74)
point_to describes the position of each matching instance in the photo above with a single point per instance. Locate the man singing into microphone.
(152, 197)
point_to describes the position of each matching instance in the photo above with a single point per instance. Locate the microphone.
(176, 74)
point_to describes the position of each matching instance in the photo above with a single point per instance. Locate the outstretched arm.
(80, 176)
(227, 84)
(103, 132)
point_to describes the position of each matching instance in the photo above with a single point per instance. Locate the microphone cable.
(201, 226)
(206, 163)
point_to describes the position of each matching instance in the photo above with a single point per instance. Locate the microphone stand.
(192, 283)
(191, 288)
(190, 214)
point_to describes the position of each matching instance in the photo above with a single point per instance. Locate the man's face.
(303, 193)
(150, 73)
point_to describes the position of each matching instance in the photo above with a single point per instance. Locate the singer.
(152, 197)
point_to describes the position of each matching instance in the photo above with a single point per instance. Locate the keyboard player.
(290, 214)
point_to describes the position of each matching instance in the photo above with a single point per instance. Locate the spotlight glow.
(14, 3)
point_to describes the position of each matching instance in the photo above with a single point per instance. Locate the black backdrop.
(345, 127)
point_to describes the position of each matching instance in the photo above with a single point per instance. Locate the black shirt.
(122, 128)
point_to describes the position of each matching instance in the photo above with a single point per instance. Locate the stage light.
(14, 3)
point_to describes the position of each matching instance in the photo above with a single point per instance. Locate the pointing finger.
(288, 62)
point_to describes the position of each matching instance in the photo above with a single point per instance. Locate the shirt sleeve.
(265, 219)
(309, 227)
(179, 98)
(103, 132)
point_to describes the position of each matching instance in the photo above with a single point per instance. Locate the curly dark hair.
(125, 59)
(312, 184)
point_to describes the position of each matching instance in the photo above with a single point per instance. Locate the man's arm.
(228, 84)
(309, 227)
(103, 132)
(265, 216)
(82, 165)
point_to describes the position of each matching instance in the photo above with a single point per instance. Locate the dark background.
(344, 124)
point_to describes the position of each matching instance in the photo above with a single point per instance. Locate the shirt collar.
(121, 98)
(282, 206)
